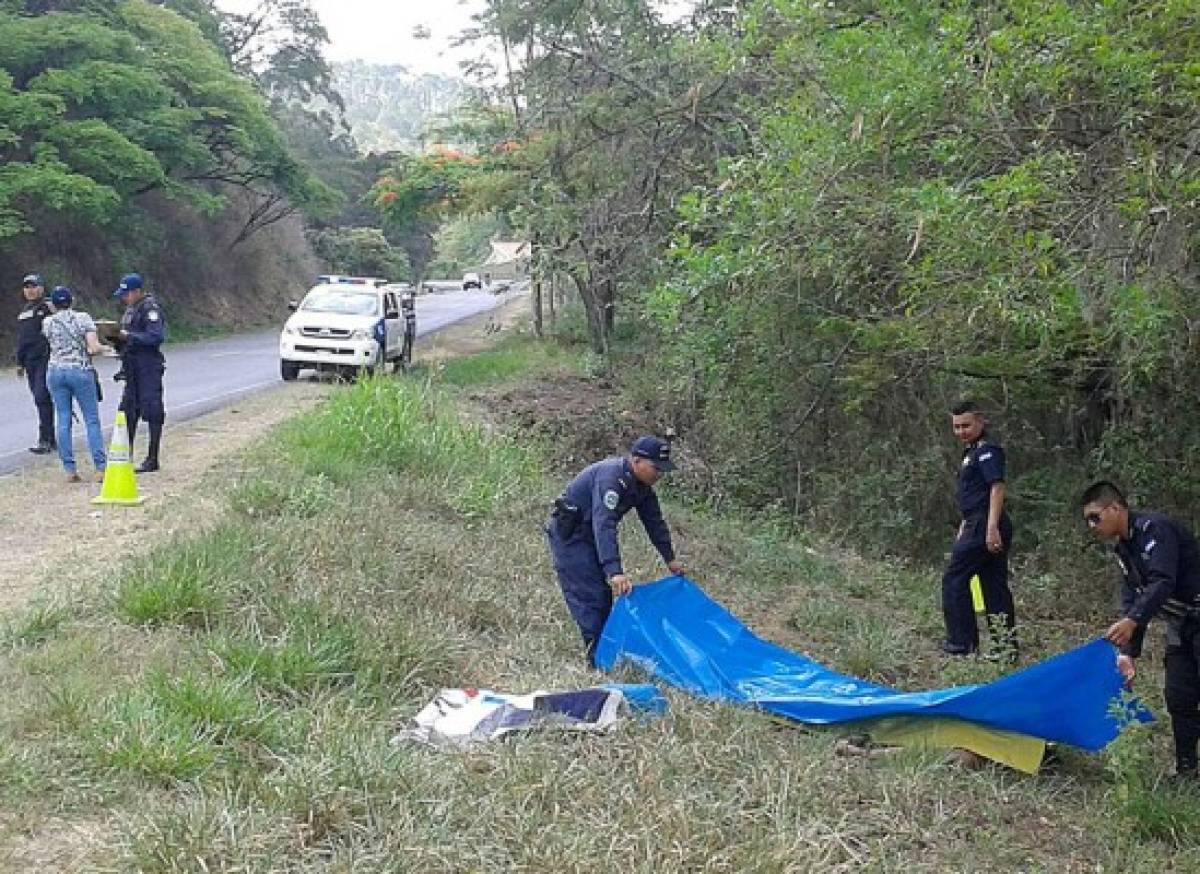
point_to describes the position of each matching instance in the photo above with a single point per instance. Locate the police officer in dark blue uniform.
(984, 536)
(582, 531)
(143, 330)
(1160, 576)
(33, 357)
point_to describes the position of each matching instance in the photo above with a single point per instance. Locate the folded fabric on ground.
(1019, 751)
(463, 717)
(674, 631)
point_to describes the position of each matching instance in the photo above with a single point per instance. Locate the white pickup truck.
(348, 324)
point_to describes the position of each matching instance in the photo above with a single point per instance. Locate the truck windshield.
(343, 301)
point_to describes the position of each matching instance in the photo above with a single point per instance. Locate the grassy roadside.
(225, 702)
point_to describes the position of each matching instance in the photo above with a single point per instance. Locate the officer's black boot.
(46, 442)
(151, 463)
(1185, 757)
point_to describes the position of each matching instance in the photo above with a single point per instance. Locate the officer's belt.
(1176, 609)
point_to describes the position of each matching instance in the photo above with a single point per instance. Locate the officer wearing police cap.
(582, 531)
(143, 330)
(33, 356)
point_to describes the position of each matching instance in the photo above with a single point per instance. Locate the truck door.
(393, 326)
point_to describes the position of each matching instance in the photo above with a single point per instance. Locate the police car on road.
(348, 324)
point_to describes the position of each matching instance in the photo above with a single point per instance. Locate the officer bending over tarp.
(582, 531)
(1160, 569)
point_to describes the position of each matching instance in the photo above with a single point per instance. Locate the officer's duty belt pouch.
(566, 518)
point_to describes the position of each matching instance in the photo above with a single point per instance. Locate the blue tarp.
(676, 632)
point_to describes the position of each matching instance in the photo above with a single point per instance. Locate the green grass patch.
(304, 656)
(34, 626)
(188, 581)
(223, 708)
(382, 423)
(301, 498)
(511, 358)
(139, 734)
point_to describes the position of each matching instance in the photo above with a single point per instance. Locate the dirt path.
(58, 542)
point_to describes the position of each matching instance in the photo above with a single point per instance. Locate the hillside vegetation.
(389, 108)
(129, 142)
(839, 217)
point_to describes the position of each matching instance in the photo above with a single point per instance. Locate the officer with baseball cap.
(33, 357)
(143, 330)
(582, 531)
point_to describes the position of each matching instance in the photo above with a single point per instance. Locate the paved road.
(201, 377)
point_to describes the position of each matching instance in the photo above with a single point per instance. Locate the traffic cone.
(120, 484)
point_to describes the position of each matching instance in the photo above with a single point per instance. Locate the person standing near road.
(582, 531)
(143, 330)
(1160, 576)
(984, 536)
(33, 354)
(71, 379)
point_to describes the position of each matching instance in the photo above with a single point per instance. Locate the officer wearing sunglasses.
(1160, 568)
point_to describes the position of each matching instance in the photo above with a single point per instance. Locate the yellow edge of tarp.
(1019, 751)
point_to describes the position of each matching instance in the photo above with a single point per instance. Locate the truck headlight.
(360, 334)
(288, 329)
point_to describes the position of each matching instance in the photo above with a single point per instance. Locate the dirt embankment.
(59, 542)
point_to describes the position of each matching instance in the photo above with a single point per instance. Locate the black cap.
(657, 452)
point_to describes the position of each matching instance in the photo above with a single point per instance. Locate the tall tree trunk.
(608, 306)
(535, 298)
(590, 293)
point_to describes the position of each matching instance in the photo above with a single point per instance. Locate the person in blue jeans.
(71, 379)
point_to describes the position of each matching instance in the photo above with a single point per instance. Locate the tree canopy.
(840, 216)
(103, 102)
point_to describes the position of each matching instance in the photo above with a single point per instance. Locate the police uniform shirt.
(1160, 569)
(982, 467)
(31, 344)
(604, 492)
(146, 326)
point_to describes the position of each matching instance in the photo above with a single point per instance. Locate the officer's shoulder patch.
(611, 499)
(152, 315)
(985, 456)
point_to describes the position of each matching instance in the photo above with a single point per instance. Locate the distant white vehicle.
(471, 280)
(346, 324)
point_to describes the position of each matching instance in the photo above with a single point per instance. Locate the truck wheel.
(289, 370)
